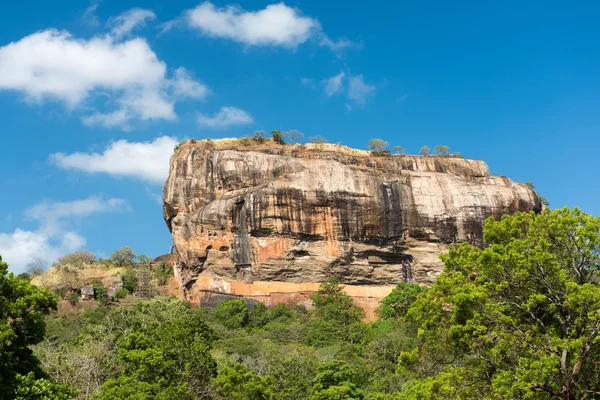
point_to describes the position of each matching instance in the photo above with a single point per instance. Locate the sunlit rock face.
(299, 214)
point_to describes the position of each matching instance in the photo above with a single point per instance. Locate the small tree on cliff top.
(378, 145)
(278, 137)
(441, 149)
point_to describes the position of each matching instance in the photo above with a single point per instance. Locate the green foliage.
(22, 308)
(237, 382)
(121, 294)
(178, 145)
(278, 137)
(130, 279)
(99, 292)
(530, 185)
(259, 136)
(162, 272)
(524, 313)
(334, 382)
(143, 259)
(333, 305)
(378, 145)
(397, 303)
(232, 314)
(441, 149)
(399, 150)
(77, 259)
(124, 256)
(424, 151)
(30, 388)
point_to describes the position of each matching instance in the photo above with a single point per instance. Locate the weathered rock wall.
(299, 214)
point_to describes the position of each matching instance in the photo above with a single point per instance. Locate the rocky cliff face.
(299, 214)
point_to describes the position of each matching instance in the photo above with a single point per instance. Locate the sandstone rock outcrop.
(249, 213)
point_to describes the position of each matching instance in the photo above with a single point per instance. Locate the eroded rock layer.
(299, 214)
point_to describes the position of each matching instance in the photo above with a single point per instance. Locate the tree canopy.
(518, 319)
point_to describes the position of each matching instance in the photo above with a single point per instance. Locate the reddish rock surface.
(271, 222)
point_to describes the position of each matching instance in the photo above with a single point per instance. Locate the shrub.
(278, 137)
(129, 279)
(260, 136)
(99, 292)
(162, 272)
(424, 151)
(177, 146)
(121, 293)
(232, 314)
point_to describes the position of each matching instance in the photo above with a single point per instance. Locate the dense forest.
(518, 319)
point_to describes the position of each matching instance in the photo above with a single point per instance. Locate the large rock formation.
(257, 219)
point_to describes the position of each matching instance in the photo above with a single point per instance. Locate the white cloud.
(277, 24)
(358, 90)
(144, 160)
(53, 238)
(226, 117)
(185, 86)
(126, 22)
(54, 65)
(339, 45)
(334, 85)
(89, 16)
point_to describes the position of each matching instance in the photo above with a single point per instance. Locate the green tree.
(77, 259)
(278, 137)
(237, 382)
(30, 388)
(441, 149)
(397, 303)
(124, 256)
(232, 313)
(332, 304)
(424, 151)
(399, 150)
(334, 382)
(22, 310)
(519, 319)
(378, 145)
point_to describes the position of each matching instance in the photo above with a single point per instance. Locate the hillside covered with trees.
(518, 319)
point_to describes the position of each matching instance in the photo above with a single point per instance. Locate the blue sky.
(94, 95)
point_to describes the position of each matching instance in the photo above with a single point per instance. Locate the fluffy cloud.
(226, 117)
(358, 90)
(53, 238)
(353, 86)
(144, 160)
(54, 65)
(334, 85)
(126, 22)
(277, 24)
